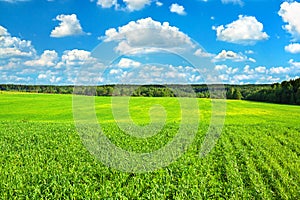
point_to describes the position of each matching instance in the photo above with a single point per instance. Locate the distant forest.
(287, 92)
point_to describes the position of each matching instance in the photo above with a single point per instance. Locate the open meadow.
(42, 155)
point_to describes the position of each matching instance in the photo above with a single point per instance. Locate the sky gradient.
(50, 42)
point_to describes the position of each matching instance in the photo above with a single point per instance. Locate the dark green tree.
(297, 96)
(237, 94)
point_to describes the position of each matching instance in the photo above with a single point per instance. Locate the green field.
(42, 155)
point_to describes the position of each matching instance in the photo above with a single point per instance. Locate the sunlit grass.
(256, 157)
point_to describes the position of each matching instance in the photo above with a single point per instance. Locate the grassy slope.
(42, 156)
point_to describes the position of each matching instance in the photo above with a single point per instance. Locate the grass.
(42, 156)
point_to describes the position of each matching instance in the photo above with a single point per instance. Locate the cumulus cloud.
(291, 61)
(73, 67)
(176, 8)
(107, 3)
(49, 77)
(295, 64)
(258, 74)
(14, 79)
(133, 5)
(248, 70)
(128, 63)
(147, 33)
(47, 59)
(13, 47)
(230, 55)
(3, 31)
(262, 74)
(280, 70)
(130, 5)
(226, 69)
(290, 13)
(14, 1)
(158, 3)
(261, 69)
(69, 25)
(20, 64)
(202, 53)
(154, 74)
(115, 71)
(80, 67)
(239, 2)
(76, 57)
(293, 48)
(246, 30)
(42, 76)
(249, 52)
(49, 68)
(233, 75)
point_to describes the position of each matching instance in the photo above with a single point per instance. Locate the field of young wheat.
(42, 156)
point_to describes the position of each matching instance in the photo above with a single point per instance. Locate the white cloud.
(202, 53)
(107, 3)
(10, 52)
(20, 64)
(130, 5)
(3, 31)
(14, 1)
(249, 52)
(69, 25)
(220, 67)
(239, 2)
(47, 59)
(293, 48)
(42, 76)
(176, 74)
(13, 47)
(176, 8)
(147, 33)
(77, 57)
(78, 67)
(55, 79)
(243, 77)
(294, 64)
(128, 63)
(230, 55)
(226, 69)
(158, 3)
(261, 69)
(280, 70)
(49, 77)
(153, 74)
(134, 5)
(69, 71)
(115, 71)
(246, 30)
(259, 74)
(15, 79)
(294, 68)
(262, 74)
(223, 77)
(252, 60)
(290, 13)
(248, 70)
(248, 75)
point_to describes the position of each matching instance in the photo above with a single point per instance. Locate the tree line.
(286, 92)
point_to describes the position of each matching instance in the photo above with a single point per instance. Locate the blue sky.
(57, 41)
